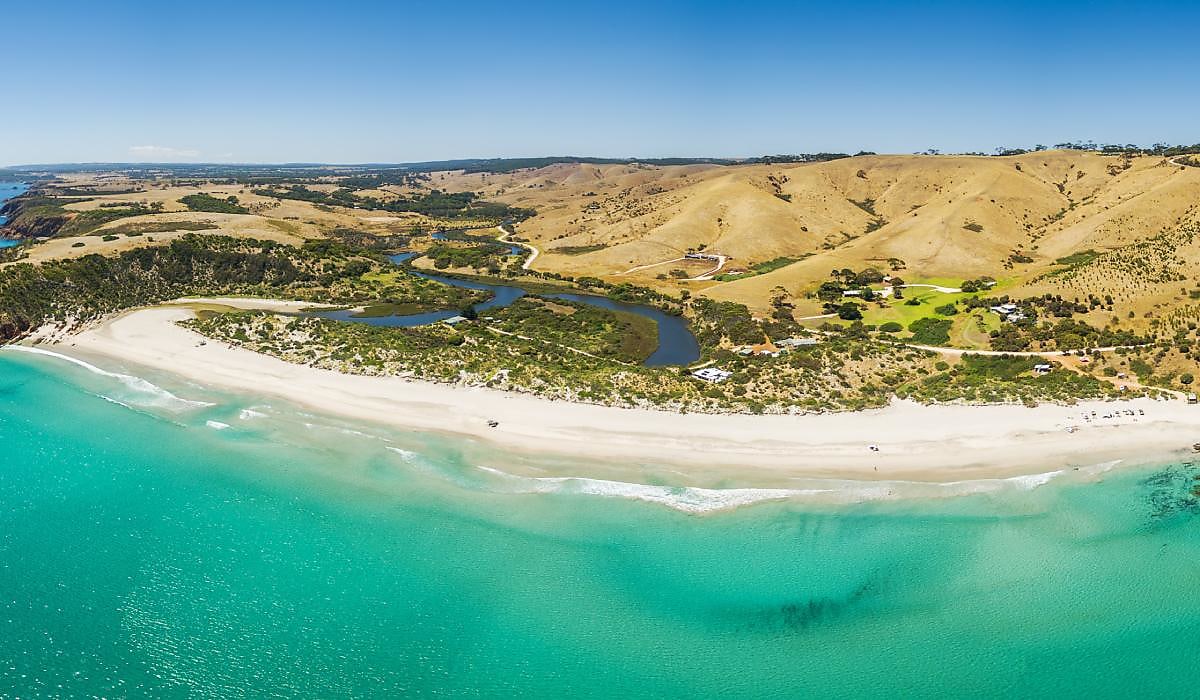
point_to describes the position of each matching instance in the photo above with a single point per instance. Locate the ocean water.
(159, 539)
(8, 190)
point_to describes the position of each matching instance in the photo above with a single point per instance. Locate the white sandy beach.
(915, 442)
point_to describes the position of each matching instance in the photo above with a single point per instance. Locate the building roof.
(712, 374)
(793, 342)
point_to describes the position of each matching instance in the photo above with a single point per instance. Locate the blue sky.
(390, 81)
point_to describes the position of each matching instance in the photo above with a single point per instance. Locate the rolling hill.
(927, 217)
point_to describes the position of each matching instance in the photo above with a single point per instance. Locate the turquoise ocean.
(159, 539)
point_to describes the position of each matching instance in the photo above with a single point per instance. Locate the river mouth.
(676, 344)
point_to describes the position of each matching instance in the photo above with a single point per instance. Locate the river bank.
(903, 441)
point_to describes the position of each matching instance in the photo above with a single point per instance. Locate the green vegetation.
(479, 257)
(713, 321)
(78, 290)
(437, 204)
(544, 355)
(35, 216)
(1005, 379)
(616, 335)
(930, 331)
(1081, 258)
(209, 203)
(32, 215)
(1066, 334)
(13, 253)
(868, 205)
(849, 311)
(578, 249)
(977, 285)
(362, 239)
(87, 221)
(773, 264)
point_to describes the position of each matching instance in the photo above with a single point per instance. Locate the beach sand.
(915, 442)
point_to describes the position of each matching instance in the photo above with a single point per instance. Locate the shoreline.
(936, 444)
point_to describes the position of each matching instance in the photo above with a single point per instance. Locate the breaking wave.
(142, 394)
(694, 499)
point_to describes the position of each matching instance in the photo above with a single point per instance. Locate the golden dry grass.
(945, 217)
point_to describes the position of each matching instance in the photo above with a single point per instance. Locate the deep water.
(187, 543)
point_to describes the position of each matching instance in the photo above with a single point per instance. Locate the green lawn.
(972, 332)
(897, 310)
(967, 332)
(971, 329)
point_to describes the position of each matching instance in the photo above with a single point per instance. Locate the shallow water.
(157, 538)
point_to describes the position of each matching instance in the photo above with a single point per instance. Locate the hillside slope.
(933, 217)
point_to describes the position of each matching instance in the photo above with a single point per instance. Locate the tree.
(1186, 379)
(829, 291)
(868, 276)
(849, 311)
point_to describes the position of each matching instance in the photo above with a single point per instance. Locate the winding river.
(676, 344)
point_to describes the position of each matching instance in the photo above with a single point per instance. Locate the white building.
(1042, 369)
(796, 342)
(1004, 309)
(712, 374)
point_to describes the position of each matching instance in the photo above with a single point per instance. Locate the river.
(676, 344)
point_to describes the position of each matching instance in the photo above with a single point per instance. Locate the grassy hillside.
(931, 217)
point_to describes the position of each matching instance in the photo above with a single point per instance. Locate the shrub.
(891, 327)
(849, 311)
(930, 331)
(209, 203)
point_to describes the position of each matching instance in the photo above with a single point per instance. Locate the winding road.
(505, 237)
(722, 260)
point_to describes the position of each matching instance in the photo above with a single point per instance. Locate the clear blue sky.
(349, 81)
